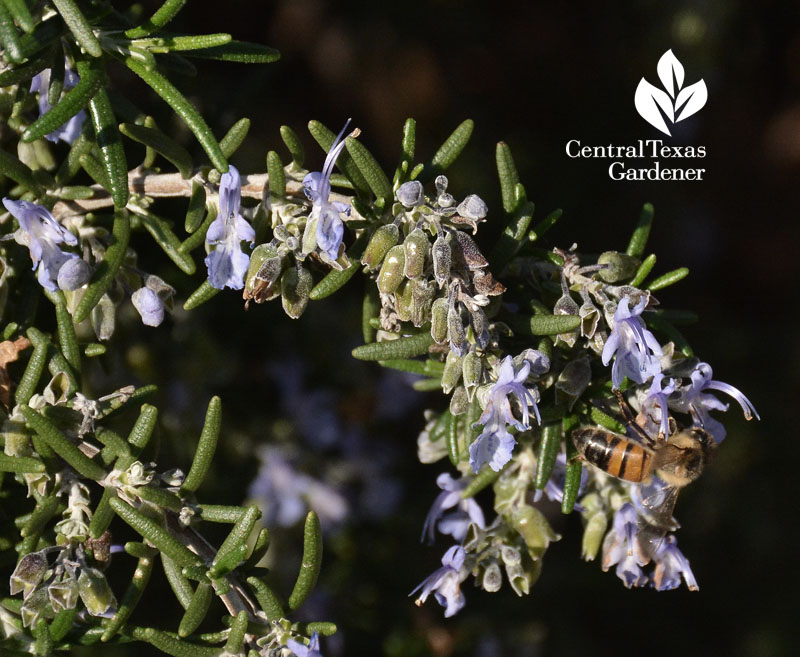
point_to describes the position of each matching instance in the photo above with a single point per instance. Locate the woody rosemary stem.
(172, 185)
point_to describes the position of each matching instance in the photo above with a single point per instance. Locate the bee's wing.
(649, 539)
(656, 502)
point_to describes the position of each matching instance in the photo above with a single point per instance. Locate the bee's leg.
(624, 407)
(630, 420)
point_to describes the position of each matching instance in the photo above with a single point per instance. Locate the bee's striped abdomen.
(614, 454)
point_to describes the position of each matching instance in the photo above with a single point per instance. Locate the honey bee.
(660, 466)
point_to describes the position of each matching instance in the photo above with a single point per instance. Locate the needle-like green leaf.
(369, 168)
(606, 421)
(43, 644)
(549, 447)
(180, 43)
(168, 241)
(449, 150)
(198, 237)
(67, 339)
(545, 324)
(155, 533)
(644, 270)
(394, 349)
(62, 623)
(267, 599)
(451, 437)
(173, 646)
(33, 372)
(131, 597)
(239, 51)
(638, 241)
(178, 102)
(9, 37)
(62, 446)
(25, 71)
(79, 26)
(409, 140)
(177, 580)
(235, 136)
(206, 446)
(106, 271)
(196, 211)
(512, 237)
(294, 145)
(19, 10)
(276, 177)
(234, 549)
(111, 150)
(72, 163)
(311, 564)
(20, 464)
(220, 513)
(162, 144)
(236, 637)
(259, 549)
(143, 429)
(45, 509)
(103, 514)
(163, 15)
(670, 278)
(572, 479)
(18, 172)
(198, 608)
(202, 294)
(507, 172)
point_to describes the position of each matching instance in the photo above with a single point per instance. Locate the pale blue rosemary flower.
(656, 401)
(636, 348)
(149, 306)
(317, 187)
(457, 522)
(40, 84)
(495, 444)
(445, 583)
(302, 650)
(692, 399)
(621, 548)
(227, 264)
(670, 566)
(42, 234)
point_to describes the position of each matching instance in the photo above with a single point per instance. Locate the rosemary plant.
(553, 360)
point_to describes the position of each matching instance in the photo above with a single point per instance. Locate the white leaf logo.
(676, 103)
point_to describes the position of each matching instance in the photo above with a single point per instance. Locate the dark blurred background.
(534, 75)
